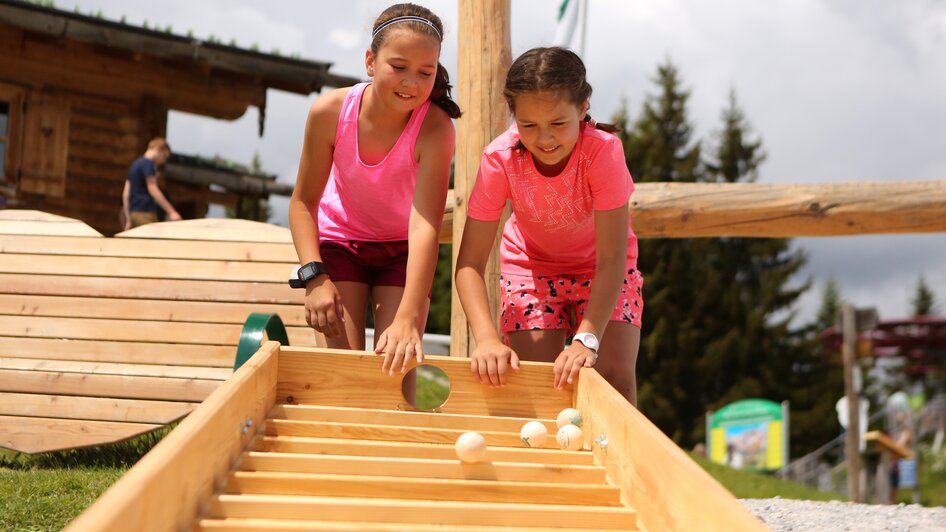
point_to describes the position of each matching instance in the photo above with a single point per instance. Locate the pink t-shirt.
(552, 230)
(369, 202)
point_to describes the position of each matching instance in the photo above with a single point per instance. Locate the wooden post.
(484, 58)
(852, 436)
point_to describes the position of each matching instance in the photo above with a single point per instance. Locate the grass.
(746, 485)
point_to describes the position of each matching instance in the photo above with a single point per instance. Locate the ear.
(585, 106)
(369, 62)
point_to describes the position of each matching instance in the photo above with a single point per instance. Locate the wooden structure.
(317, 439)
(81, 96)
(105, 338)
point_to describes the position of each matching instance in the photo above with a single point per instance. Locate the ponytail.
(610, 128)
(440, 95)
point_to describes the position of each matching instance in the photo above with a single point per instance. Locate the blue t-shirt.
(140, 200)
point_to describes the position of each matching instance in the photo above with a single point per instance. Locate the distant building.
(80, 96)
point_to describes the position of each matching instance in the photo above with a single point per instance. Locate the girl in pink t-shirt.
(568, 255)
(366, 211)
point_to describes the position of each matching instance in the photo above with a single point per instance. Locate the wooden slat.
(439, 512)
(340, 446)
(28, 222)
(109, 368)
(150, 248)
(354, 380)
(409, 419)
(334, 429)
(130, 352)
(157, 310)
(168, 487)
(667, 488)
(216, 229)
(134, 330)
(418, 467)
(95, 408)
(266, 525)
(158, 388)
(171, 289)
(147, 269)
(254, 483)
(40, 435)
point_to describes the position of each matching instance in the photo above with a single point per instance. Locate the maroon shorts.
(372, 263)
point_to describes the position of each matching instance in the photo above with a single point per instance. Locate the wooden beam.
(167, 488)
(484, 59)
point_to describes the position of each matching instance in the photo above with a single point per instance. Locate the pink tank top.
(369, 202)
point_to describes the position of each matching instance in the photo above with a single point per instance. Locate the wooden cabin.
(80, 96)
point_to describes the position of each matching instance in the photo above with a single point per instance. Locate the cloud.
(345, 38)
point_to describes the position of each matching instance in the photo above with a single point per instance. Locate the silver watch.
(588, 340)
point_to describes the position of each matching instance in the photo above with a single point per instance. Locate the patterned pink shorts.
(532, 303)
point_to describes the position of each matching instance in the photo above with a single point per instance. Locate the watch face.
(588, 340)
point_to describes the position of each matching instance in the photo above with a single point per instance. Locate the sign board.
(749, 434)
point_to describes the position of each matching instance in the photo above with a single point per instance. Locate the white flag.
(570, 30)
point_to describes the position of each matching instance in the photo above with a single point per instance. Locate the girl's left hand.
(399, 343)
(569, 363)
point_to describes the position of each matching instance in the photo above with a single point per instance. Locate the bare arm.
(435, 143)
(126, 199)
(610, 261)
(158, 196)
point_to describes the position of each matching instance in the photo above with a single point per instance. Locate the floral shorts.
(532, 303)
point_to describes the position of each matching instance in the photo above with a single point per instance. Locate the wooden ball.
(569, 416)
(570, 438)
(533, 434)
(471, 447)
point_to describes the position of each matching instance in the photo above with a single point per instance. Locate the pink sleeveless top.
(369, 202)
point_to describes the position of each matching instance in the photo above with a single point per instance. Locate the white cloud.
(345, 38)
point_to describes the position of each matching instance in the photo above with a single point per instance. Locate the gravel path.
(799, 516)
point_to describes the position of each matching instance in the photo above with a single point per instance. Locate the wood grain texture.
(36, 434)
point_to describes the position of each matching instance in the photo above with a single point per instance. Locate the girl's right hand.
(323, 307)
(491, 360)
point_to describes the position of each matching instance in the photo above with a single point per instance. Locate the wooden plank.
(213, 229)
(887, 443)
(668, 489)
(108, 368)
(157, 388)
(338, 446)
(168, 487)
(174, 311)
(150, 248)
(148, 268)
(45, 145)
(482, 65)
(419, 467)
(363, 431)
(436, 512)
(171, 289)
(40, 435)
(30, 222)
(353, 379)
(130, 352)
(266, 525)
(411, 419)
(97, 408)
(255, 483)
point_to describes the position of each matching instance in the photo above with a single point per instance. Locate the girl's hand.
(323, 307)
(400, 342)
(491, 360)
(569, 363)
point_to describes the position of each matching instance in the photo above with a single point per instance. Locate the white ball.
(533, 434)
(570, 438)
(471, 447)
(569, 416)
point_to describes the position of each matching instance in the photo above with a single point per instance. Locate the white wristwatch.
(588, 340)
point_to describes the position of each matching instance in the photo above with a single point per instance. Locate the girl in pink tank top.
(366, 211)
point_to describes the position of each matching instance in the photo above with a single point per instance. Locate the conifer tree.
(924, 301)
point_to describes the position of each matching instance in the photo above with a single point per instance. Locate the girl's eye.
(426, 74)
(527, 126)
(558, 124)
(398, 68)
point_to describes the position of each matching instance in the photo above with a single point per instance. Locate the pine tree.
(924, 301)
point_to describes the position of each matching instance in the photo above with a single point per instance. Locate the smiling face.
(404, 69)
(548, 127)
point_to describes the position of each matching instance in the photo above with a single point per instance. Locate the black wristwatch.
(308, 272)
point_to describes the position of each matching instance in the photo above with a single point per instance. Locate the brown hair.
(440, 95)
(159, 143)
(551, 69)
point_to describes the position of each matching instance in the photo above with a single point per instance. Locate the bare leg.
(540, 346)
(386, 300)
(617, 358)
(354, 305)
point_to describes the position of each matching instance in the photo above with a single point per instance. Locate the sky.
(839, 91)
